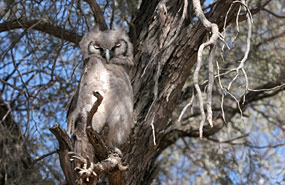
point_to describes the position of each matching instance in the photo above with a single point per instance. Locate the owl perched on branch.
(106, 56)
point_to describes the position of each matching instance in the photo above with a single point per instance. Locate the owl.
(107, 55)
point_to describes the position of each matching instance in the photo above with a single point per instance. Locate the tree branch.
(42, 26)
(252, 11)
(274, 14)
(65, 146)
(98, 14)
(270, 39)
(42, 157)
(94, 107)
(212, 41)
(264, 91)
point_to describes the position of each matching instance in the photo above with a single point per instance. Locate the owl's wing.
(71, 106)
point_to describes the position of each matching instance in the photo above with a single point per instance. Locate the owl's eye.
(118, 44)
(93, 48)
(97, 46)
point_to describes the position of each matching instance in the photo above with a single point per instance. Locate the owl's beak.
(107, 55)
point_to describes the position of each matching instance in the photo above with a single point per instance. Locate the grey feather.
(106, 54)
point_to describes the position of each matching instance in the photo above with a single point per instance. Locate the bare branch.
(274, 14)
(244, 17)
(210, 85)
(133, 35)
(212, 41)
(268, 89)
(271, 39)
(42, 157)
(226, 91)
(230, 141)
(98, 14)
(186, 107)
(42, 26)
(99, 146)
(94, 107)
(264, 91)
(65, 146)
(189, 130)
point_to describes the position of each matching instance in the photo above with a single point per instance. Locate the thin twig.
(270, 89)
(274, 14)
(186, 107)
(226, 91)
(42, 157)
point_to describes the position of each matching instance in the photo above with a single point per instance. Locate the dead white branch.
(210, 85)
(240, 68)
(186, 107)
(212, 41)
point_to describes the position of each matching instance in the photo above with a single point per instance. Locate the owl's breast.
(96, 78)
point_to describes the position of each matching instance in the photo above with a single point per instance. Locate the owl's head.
(111, 46)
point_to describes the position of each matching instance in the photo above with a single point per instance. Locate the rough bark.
(166, 51)
(176, 60)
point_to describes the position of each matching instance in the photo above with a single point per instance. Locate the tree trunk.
(167, 51)
(167, 44)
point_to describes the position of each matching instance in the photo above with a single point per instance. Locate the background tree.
(40, 67)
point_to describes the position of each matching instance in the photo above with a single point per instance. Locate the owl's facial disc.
(106, 53)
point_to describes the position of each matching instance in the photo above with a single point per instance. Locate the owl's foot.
(89, 172)
(85, 173)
